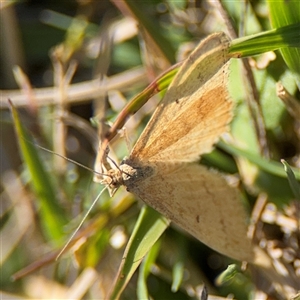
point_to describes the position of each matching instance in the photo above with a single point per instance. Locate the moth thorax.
(133, 174)
(128, 173)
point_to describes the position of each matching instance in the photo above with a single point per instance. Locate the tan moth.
(162, 168)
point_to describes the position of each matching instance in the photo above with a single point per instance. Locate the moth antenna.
(115, 164)
(94, 202)
(68, 159)
(79, 226)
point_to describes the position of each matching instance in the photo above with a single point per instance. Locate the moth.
(163, 169)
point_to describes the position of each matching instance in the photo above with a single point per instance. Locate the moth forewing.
(197, 96)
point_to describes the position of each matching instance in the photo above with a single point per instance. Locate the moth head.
(113, 180)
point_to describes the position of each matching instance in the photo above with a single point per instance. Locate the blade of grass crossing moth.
(148, 228)
(284, 13)
(52, 215)
(287, 36)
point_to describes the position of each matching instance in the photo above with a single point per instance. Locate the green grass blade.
(271, 167)
(144, 271)
(178, 268)
(148, 228)
(281, 37)
(292, 179)
(228, 274)
(52, 216)
(284, 13)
